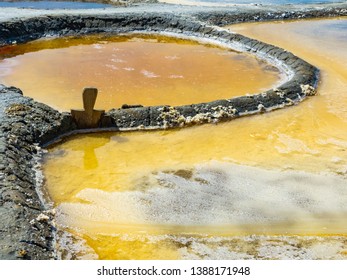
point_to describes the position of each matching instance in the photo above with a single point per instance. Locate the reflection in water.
(143, 70)
(201, 192)
(90, 159)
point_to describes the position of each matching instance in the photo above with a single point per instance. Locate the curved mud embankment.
(27, 228)
(301, 82)
(26, 231)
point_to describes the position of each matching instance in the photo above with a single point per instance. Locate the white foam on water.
(128, 69)
(172, 57)
(7, 65)
(5, 72)
(117, 60)
(149, 74)
(199, 250)
(220, 194)
(113, 67)
(98, 46)
(291, 144)
(176, 77)
(333, 141)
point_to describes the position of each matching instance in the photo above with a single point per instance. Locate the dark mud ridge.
(26, 222)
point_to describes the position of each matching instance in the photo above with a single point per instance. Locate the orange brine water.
(143, 70)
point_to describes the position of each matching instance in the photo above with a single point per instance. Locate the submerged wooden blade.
(89, 98)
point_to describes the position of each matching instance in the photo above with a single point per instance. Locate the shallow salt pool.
(268, 186)
(146, 70)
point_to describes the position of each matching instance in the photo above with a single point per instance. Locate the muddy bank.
(27, 224)
(215, 15)
(26, 229)
(269, 13)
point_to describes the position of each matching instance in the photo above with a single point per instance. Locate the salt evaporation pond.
(145, 70)
(251, 2)
(53, 5)
(268, 186)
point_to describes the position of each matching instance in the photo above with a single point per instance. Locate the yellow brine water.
(266, 186)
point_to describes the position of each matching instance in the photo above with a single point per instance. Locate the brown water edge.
(132, 69)
(223, 186)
